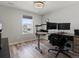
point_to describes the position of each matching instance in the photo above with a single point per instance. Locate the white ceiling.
(28, 5)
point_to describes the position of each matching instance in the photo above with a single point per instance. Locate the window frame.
(30, 18)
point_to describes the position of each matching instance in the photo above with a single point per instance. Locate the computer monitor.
(63, 26)
(51, 25)
(76, 31)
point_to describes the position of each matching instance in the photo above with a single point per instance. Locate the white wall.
(65, 15)
(12, 27)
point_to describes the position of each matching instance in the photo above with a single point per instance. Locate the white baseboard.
(13, 43)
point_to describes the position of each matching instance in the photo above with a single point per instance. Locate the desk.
(38, 34)
(75, 40)
(76, 44)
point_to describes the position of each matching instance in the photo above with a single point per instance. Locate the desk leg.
(38, 47)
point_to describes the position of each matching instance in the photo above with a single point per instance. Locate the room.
(39, 29)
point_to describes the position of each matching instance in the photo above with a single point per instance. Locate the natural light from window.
(27, 25)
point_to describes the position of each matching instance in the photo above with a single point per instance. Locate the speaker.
(76, 31)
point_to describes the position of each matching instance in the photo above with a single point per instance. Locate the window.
(27, 25)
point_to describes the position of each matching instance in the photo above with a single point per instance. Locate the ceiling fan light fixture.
(39, 4)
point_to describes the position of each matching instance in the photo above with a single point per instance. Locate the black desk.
(4, 52)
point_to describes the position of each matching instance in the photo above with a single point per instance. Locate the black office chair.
(60, 41)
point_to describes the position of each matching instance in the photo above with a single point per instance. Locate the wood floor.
(27, 50)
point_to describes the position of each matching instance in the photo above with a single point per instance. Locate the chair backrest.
(58, 40)
(54, 39)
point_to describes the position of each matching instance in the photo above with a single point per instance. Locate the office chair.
(59, 41)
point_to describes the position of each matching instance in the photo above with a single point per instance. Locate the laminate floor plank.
(27, 50)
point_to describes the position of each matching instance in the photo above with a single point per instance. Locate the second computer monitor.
(63, 26)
